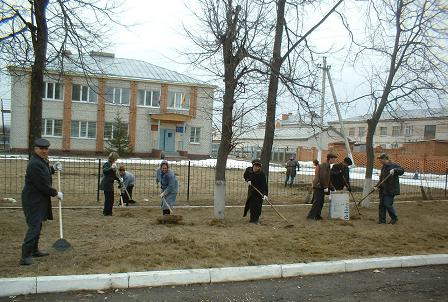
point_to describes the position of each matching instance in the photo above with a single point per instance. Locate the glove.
(392, 172)
(326, 190)
(265, 198)
(249, 182)
(57, 166)
(163, 194)
(114, 166)
(60, 196)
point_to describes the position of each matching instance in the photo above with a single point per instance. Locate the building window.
(85, 94)
(52, 91)
(351, 132)
(362, 131)
(52, 127)
(83, 129)
(178, 100)
(195, 136)
(110, 129)
(119, 96)
(430, 132)
(149, 98)
(408, 130)
(396, 130)
(383, 130)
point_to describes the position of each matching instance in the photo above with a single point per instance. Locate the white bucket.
(339, 206)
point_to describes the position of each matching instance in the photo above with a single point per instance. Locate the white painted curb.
(244, 273)
(17, 286)
(45, 284)
(174, 277)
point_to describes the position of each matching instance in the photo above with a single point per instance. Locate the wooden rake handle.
(278, 213)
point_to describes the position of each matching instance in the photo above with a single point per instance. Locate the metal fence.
(80, 179)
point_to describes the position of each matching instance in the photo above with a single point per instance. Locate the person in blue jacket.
(169, 187)
(388, 188)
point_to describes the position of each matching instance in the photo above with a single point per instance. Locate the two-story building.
(404, 126)
(164, 110)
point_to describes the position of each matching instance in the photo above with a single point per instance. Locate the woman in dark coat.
(36, 198)
(257, 181)
(107, 183)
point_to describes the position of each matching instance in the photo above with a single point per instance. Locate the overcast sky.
(157, 36)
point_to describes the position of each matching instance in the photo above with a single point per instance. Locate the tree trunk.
(276, 63)
(39, 35)
(371, 126)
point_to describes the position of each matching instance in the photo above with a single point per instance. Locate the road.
(428, 283)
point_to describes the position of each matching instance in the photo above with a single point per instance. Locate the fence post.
(188, 182)
(99, 179)
(446, 179)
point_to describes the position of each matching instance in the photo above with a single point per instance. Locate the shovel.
(278, 213)
(351, 195)
(61, 244)
(373, 190)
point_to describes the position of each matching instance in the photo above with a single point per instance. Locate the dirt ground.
(131, 240)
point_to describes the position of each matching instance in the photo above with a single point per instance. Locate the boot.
(36, 252)
(26, 256)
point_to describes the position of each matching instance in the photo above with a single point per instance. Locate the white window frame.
(195, 135)
(112, 130)
(80, 130)
(381, 131)
(89, 94)
(145, 94)
(408, 130)
(394, 131)
(117, 96)
(351, 131)
(46, 122)
(178, 97)
(61, 91)
(363, 131)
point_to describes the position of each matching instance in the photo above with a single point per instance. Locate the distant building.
(164, 110)
(393, 130)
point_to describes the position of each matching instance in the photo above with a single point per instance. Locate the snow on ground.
(307, 168)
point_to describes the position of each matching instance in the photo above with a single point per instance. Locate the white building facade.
(164, 110)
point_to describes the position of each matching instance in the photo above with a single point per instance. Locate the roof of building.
(402, 115)
(109, 66)
(290, 133)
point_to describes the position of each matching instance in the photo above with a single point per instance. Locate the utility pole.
(336, 104)
(322, 104)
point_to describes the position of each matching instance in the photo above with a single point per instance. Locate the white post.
(219, 199)
(347, 145)
(322, 104)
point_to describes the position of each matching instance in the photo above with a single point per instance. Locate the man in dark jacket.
(107, 182)
(388, 189)
(256, 180)
(292, 166)
(340, 175)
(36, 198)
(321, 186)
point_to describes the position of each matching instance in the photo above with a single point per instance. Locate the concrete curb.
(45, 284)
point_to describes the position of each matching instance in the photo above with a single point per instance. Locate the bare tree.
(37, 34)
(230, 29)
(408, 41)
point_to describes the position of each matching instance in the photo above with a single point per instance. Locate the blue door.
(167, 140)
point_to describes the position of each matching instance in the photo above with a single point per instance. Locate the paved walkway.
(426, 283)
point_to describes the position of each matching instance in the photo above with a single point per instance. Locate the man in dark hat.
(388, 189)
(36, 201)
(321, 186)
(257, 191)
(340, 175)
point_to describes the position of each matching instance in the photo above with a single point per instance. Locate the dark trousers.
(318, 203)
(255, 205)
(31, 240)
(125, 196)
(108, 202)
(386, 205)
